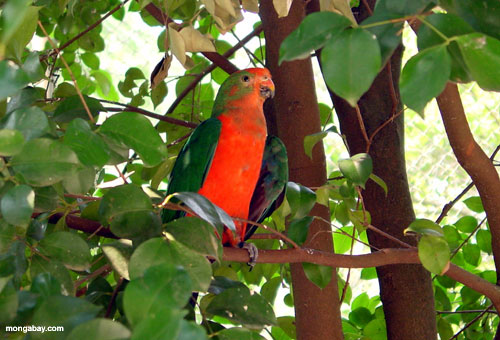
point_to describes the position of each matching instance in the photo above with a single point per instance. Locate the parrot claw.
(253, 253)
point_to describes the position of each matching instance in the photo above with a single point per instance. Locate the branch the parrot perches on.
(229, 158)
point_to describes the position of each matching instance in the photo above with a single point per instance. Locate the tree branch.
(388, 256)
(474, 161)
(170, 120)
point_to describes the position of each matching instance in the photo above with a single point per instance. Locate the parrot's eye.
(246, 79)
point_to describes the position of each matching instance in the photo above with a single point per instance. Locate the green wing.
(193, 162)
(269, 191)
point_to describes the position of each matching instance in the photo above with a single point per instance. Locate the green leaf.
(206, 210)
(483, 238)
(44, 162)
(482, 56)
(434, 253)
(156, 251)
(80, 182)
(68, 248)
(311, 140)
(118, 254)
(130, 212)
(452, 236)
(482, 15)
(136, 132)
(91, 60)
(269, 290)
(88, 146)
(105, 87)
(445, 329)
(12, 79)
(361, 316)
(475, 204)
(357, 169)
(102, 329)
(134, 73)
(341, 241)
(450, 26)
(238, 333)
(14, 14)
(17, 205)
(33, 68)
(368, 273)
(351, 61)
(19, 27)
(472, 254)
(191, 331)
(317, 274)
(424, 77)
(466, 224)
(162, 288)
(424, 226)
(298, 229)
(64, 311)
(300, 198)
(30, 121)
(252, 310)
(8, 303)
(312, 34)
(287, 324)
(72, 107)
(380, 182)
(376, 329)
(196, 234)
(46, 285)
(123, 198)
(56, 269)
(159, 93)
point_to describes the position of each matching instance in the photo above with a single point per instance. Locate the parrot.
(230, 160)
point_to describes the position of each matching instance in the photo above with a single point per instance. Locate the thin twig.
(383, 125)
(69, 71)
(113, 298)
(170, 120)
(464, 311)
(83, 197)
(104, 270)
(470, 323)
(124, 179)
(362, 125)
(368, 8)
(91, 27)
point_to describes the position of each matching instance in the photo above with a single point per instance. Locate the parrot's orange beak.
(267, 88)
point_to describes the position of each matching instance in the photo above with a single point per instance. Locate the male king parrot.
(229, 159)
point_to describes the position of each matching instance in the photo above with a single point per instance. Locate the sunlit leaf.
(350, 63)
(434, 253)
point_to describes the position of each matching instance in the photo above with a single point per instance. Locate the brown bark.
(296, 115)
(474, 161)
(405, 290)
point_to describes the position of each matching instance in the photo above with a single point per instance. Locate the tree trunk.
(405, 290)
(295, 116)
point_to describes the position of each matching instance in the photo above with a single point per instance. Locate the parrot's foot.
(253, 253)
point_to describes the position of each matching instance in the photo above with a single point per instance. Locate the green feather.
(193, 162)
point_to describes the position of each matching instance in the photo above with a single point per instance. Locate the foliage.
(69, 148)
